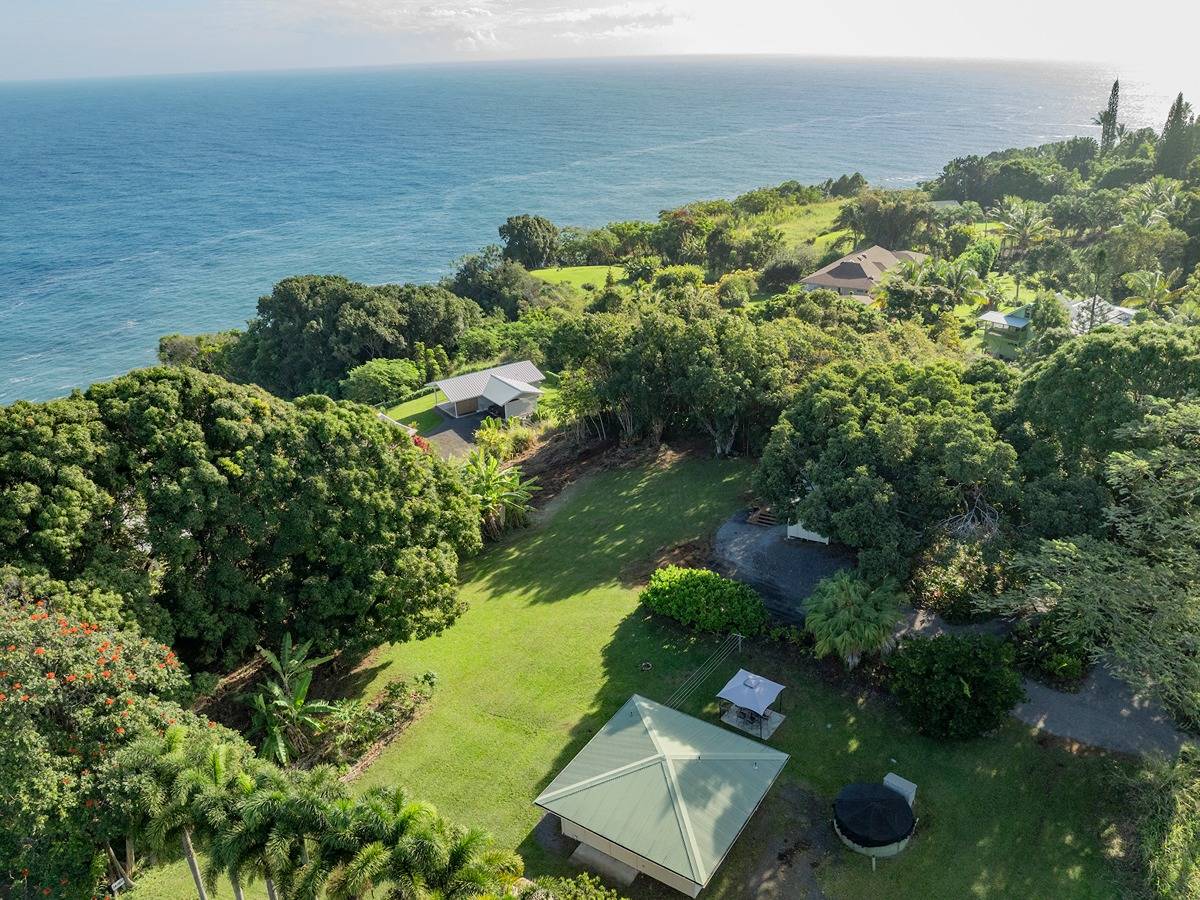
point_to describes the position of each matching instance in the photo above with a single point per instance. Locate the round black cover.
(873, 815)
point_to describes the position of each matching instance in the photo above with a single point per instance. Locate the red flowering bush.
(71, 693)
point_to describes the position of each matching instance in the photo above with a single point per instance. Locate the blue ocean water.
(134, 207)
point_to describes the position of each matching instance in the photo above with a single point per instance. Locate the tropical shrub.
(584, 886)
(353, 726)
(704, 600)
(955, 687)
(1044, 652)
(381, 381)
(502, 438)
(848, 616)
(281, 710)
(502, 493)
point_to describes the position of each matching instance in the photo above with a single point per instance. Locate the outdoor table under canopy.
(746, 703)
(873, 819)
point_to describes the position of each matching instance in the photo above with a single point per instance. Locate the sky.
(97, 38)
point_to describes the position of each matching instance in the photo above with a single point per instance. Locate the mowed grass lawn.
(578, 276)
(553, 644)
(419, 413)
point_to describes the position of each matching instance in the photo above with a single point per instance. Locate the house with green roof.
(662, 792)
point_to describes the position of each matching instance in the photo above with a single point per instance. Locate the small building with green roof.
(663, 792)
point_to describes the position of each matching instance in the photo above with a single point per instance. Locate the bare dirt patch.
(695, 554)
(793, 833)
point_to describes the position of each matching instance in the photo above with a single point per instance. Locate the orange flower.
(120, 730)
(3, 696)
(24, 698)
(39, 651)
(105, 674)
(129, 701)
(70, 678)
(108, 701)
(50, 676)
(17, 685)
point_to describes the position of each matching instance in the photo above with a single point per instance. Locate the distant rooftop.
(1084, 315)
(473, 384)
(860, 271)
(1011, 320)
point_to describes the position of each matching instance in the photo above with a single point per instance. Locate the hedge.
(702, 599)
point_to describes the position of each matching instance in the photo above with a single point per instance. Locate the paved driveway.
(454, 437)
(784, 572)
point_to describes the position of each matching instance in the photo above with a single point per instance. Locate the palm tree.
(1153, 289)
(270, 837)
(961, 282)
(382, 837)
(166, 790)
(1023, 224)
(849, 616)
(502, 493)
(465, 864)
(215, 781)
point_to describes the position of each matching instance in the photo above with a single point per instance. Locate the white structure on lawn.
(511, 391)
(797, 531)
(660, 792)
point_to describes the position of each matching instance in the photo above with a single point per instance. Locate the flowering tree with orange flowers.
(72, 693)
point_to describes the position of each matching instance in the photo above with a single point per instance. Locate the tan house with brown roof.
(855, 274)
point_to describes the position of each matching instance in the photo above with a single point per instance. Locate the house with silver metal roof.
(510, 390)
(661, 793)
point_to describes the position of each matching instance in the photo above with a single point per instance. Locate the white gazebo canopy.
(750, 691)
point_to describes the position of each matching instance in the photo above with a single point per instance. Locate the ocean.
(130, 208)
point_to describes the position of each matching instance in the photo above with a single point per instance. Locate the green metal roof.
(666, 786)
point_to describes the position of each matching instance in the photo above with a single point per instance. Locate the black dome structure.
(873, 819)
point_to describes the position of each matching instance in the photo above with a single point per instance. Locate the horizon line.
(518, 60)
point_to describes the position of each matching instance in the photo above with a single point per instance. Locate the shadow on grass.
(998, 816)
(609, 524)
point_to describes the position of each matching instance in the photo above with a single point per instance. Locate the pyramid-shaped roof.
(666, 786)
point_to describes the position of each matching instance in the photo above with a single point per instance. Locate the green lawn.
(553, 644)
(812, 223)
(418, 413)
(578, 276)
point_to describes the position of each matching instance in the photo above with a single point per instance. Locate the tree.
(1152, 290)
(381, 381)
(1023, 224)
(72, 693)
(495, 282)
(1090, 387)
(848, 616)
(531, 241)
(891, 219)
(1130, 598)
(1177, 145)
(241, 516)
(1107, 120)
(883, 457)
(728, 373)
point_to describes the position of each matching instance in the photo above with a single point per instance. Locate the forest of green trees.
(244, 492)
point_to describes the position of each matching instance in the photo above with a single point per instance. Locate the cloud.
(481, 26)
